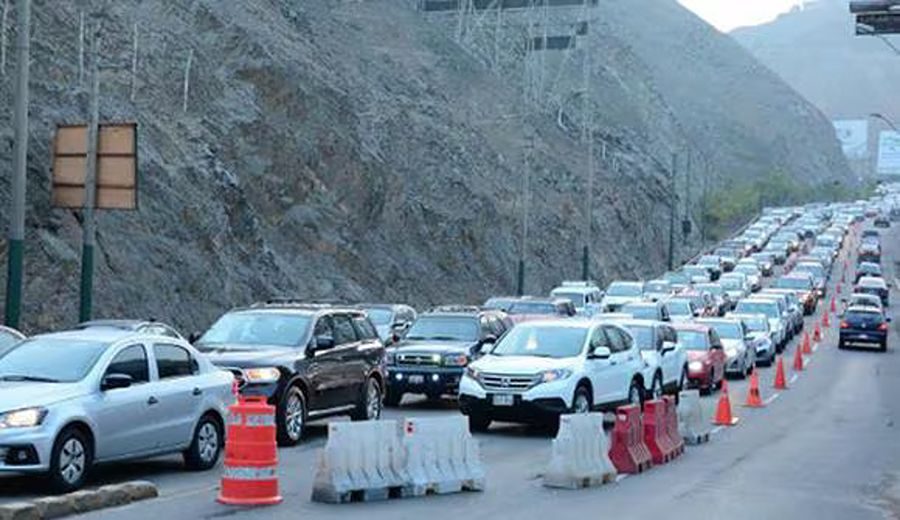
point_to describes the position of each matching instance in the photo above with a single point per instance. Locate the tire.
(291, 417)
(656, 387)
(70, 460)
(206, 447)
(392, 398)
(369, 406)
(841, 345)
(479, 423)
(636, 393)
(582, 401)
(682, 381)
(884, 346)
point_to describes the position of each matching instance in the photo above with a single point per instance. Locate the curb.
(79, 501)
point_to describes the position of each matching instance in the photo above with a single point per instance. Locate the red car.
(705, 355)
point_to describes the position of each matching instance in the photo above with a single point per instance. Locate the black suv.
(309, 361)
(434, 354)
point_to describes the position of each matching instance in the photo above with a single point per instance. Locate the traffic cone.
(806, 344)
(723, 411)
(833, 306)
(753, 398)
(798, 360)
(825, 321)
(817, 334)
(780, 379)
(837, 288)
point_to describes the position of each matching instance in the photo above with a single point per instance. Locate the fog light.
(435, 378)
(399, 377)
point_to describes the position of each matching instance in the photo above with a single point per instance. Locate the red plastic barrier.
(656, 432)
(628, 452)
(675, 436)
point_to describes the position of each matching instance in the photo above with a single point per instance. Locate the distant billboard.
(854, 137)
(889, 153)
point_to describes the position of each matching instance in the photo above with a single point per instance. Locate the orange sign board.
(116, 178)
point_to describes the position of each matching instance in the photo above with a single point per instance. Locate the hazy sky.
(730, 14)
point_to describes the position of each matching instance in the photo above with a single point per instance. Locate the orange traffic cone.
(723, 411)
(833, 305)
(837, 288)
(825, 321)
(753, 398)
(806, 344)
(798, 360)
(780, 380)
(817, 334)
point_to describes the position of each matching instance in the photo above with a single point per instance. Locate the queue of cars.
(112, 390)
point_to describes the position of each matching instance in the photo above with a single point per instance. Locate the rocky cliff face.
(350, 150)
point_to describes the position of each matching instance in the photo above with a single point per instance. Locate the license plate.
(863, 336)
(416, 379)
(503, 400)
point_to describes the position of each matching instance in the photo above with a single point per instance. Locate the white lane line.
(621, 476)
(772, 398)
(794, 378)
(716, 430)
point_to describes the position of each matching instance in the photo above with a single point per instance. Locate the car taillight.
(845, 325)
(883, 326)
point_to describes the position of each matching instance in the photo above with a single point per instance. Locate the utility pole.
(672, 210)
(588, 137)
(90, 187)
(525, 196)
(20, 163)
(687, 194)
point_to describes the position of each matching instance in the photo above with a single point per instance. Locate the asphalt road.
(826, 448)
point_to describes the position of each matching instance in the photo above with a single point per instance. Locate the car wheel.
(884, 346)
(682, 381)
(392, 398)
(656, 387)
(291, 420)
(479, 423)
(369, 406)
(841, 344)
(581, 402)
(206, 447)
(70, 460)
(636, 393)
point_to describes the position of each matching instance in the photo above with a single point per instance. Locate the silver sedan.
(72, 399)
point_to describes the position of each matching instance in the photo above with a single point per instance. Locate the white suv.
(665, 360)
(542, 369)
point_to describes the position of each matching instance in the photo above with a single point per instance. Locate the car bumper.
(26, 450)
(863, 337)
(733, 365)
(700, 379)
(424, 380)
(545, 400)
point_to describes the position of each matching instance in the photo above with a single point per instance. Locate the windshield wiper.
(443, 338)
(36, 379)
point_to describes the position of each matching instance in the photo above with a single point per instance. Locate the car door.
(324, 367)
(624, 363)
(668, 359)
(349, 359)
(121, 414)
(599, 371)
(179, 395)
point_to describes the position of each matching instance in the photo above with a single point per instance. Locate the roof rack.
(291, 302)
(456, 308)
(578, 283)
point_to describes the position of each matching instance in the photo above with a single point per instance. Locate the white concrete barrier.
(441, 456)
(361, 462)
(580, 454)
(693, 422)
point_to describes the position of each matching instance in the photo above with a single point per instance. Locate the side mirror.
(193, 337)
(490, 339)
(399, 325)
(324, 342)
(716, 347)
(114, 381)
(667, 346)
(601, 353)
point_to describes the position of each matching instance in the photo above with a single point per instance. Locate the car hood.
(735, 294)
(680, 318)
(735, 344)
(758, 336)
(15, 395)
(520, 364)
(433, 347)
(620, 300)
(697, 355)
(225, 356)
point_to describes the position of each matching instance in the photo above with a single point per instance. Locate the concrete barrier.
(693, 423)
(580, 454)
(360, 462)
(79, 502)
(441, 456)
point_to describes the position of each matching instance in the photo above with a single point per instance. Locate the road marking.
(772, 398)
(794, 378)
(716, 430)
(621, 476)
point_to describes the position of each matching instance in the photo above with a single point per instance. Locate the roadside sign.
(116, 166)
(889, 153)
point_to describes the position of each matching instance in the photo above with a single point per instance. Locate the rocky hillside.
(817, 52)
(337, 149)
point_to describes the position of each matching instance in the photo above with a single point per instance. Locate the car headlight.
(473, 373)
(455, 360)
(25, 418)
(262, 375)
(695, 366)
(555, 375)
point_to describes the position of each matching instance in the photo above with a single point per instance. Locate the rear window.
(855, 316)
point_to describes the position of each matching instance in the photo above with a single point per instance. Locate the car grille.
(508, 383)
(418, 360)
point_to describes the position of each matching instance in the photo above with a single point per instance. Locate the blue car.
(864, 326)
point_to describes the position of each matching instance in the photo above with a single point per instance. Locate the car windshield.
(624, 289)
(679, 307)
(865, 301)
(53, 360)
(577, 299)
(708, 260)
(532, 308)
(756, 323)
(725, 252)
(712, 288)
(792, 283)
(693, 340)
(770, 309)
(726, 330)
(747, 268)
(642, 312)
(380, 316)
(731, 284)
(657, 287)
(542, 341)
(678, 277)
(242, 330)
(816, 269)
(444, 328)
(695, 270)
(643, 336)
(498, 304)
